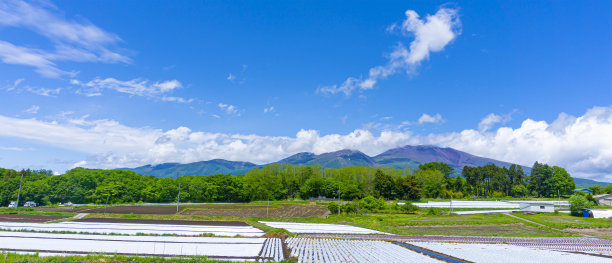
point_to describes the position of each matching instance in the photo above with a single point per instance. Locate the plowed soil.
(311, 211)
(162, 222)
(155, 210)
(27, 218)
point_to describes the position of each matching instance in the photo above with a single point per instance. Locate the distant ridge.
(401, 157)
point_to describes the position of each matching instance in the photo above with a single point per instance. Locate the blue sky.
(113, 83)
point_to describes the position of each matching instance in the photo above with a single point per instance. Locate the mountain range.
(402, 157)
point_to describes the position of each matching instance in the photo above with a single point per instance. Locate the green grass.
(34, 211)
(562, 220)
(13, 257)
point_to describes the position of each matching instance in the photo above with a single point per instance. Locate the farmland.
(243, 232)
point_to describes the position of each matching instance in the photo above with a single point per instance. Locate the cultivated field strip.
(133, 229)
(493, 253)
(587, 245)
(320, 228)
(272, 250)
(236, 248)
(337, 250)
(470, 204)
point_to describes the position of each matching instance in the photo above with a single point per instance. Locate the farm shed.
(597, 213)
(605, 199)
(537, 207)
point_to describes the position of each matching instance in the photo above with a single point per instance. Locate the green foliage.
(371, 203)
(409, 208)
(445, 169)
(332, 207)
(597, 189)
(519, 190)
(579, 202)
(546, 180)
(433, 211)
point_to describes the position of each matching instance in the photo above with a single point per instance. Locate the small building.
(605, 199)
(584, 190)
(539, 207)
(597, 213)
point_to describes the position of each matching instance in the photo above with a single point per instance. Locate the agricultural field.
(501, 253)
(27, 218)
(277, 210)
(597, 227)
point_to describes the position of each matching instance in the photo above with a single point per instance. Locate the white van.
(13, 204)
(29, 204)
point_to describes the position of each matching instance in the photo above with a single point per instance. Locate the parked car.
(29, 204)
(13, 204)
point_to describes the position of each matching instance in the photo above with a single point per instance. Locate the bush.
(497, 194)
(579, 202)
(371, 203)
(591, 199)
(332, 207)
(409, 208)
(348, 208)
(433, 211)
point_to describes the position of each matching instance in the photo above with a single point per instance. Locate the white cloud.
(72, 41)
(231, 77)
(33, 110)
(79, 164)
(431, 34)
(177, 99)
(269, 109)
(229, 109)
(137, 87)
(15, 149)
(580, 144)
(490, 120)
(43, 91)
(426, 118)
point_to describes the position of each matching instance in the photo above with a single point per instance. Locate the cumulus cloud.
(33, 110)
(426, 118)
(492, 119)
(72, 41)
(580, 144)
(431, 34)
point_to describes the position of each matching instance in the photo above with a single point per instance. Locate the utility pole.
(559, 194)
(451, 204)
(178, 199)
(268, 208)
(19, 193)
(338, 200)
(107, 196)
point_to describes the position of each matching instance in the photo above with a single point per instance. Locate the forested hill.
(174, 170)
(399, 158)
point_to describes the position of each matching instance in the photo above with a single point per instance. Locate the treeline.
(284, 181)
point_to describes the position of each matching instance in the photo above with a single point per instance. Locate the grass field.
(13, 257)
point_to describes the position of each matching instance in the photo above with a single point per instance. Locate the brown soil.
(592, 231)
(27, 218)
(156, 210)
(311, 211)
(162, 222)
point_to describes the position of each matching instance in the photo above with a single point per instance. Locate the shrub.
(332, 207)
(497, 194)
(579, 202)
(433, 211)
(409, 208)
(371, 203)
(519, 190)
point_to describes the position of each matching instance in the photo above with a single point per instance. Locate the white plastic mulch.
(133, 228)
(338, 250)
(493, 253)
(317, 228)
(136, 245)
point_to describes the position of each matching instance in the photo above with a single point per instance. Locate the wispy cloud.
(229, 109)
(43, 91)
(137, 87)
(492, 119)
(72, 41)
(269, 109)
(33, 110)
(431, 34)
